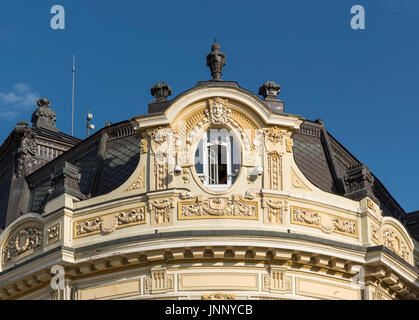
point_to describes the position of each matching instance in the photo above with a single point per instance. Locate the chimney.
(269, 90)
(160, 91)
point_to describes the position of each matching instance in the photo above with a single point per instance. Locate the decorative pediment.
(395, 238)
(24, 240)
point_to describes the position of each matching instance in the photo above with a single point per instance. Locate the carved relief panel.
(274, 210)
(161, 211)
(273, 153)
(326, 222)
(24, 241)
(110, 222)
(218, 207)
(162, 147)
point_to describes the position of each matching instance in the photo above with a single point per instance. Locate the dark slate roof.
(325, 162)
(56, 135)
(105, 160)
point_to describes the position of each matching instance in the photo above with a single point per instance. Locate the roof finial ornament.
(216, 60)
(44, 117)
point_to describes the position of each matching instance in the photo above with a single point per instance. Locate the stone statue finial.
(161, 91)
(43, 102)
(216, 60)
(44, 117)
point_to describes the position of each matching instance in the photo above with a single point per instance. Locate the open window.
(218, 159)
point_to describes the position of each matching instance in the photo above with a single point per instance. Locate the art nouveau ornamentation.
(147, 285)
(274, 171)
(162, 146)
(161, 171)
(325, 222)
(277, 281)
(218, 296)
(108, 223)
(297, 183)
(374, 234)
(26, 151)
(161, 210)
(159, 282)
(25, 240)
(289, 144)
(138, 183)
(53, 234)
(170, 282)
(144, 145)
(370, 204)
(218, 111)
(274, 210)
(395, 243)
(218, 208)
(185, 175)
(273, 146)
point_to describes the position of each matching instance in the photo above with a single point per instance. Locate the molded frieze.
(108, 223)
(217, 207)
(327, 223)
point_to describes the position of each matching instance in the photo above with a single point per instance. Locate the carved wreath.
(25, 240)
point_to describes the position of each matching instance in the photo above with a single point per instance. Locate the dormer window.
(218, 159)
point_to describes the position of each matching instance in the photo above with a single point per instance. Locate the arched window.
(218, 159)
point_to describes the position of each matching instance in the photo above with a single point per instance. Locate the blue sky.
(362, 84)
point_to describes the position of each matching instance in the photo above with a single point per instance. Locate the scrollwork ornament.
(25, 240)
(218, 207)
(325, 222)
(395, 243)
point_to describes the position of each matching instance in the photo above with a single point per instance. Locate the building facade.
(214, 194)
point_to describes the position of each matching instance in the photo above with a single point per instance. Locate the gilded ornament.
(144, 145)
(53, 234)
(289, 144)
(25, 240)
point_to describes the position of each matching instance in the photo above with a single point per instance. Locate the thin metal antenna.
(72, 98)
